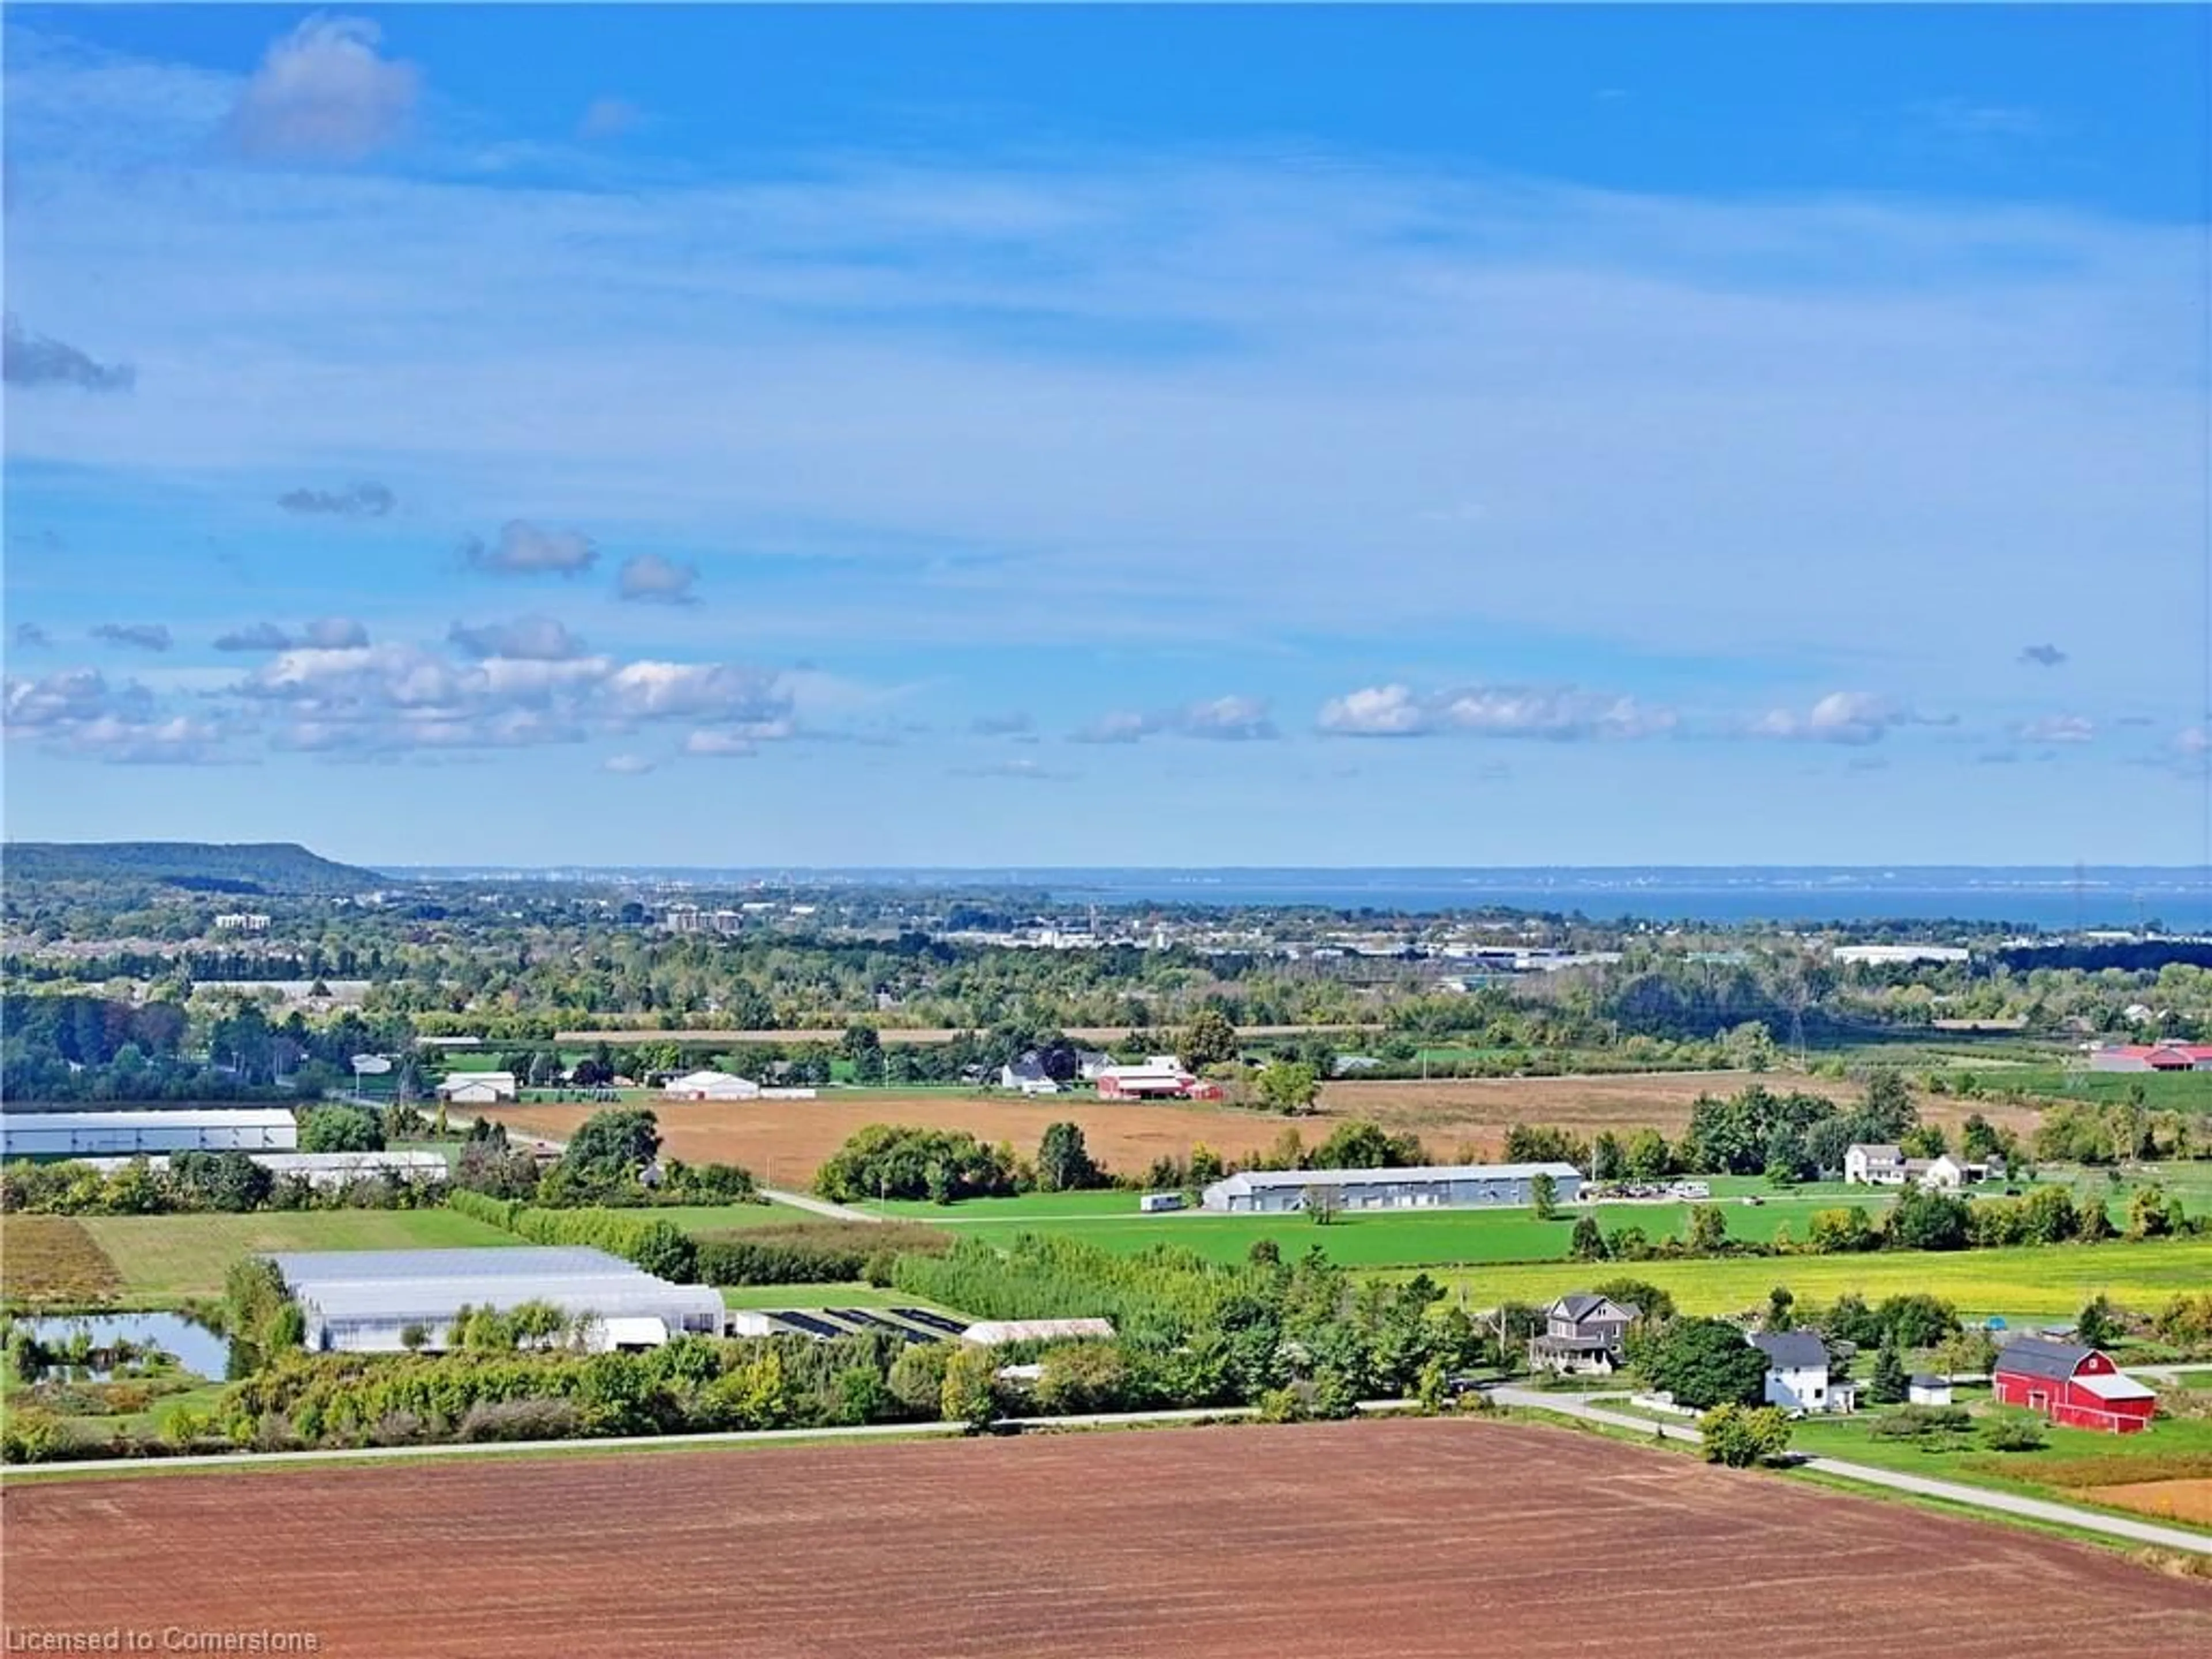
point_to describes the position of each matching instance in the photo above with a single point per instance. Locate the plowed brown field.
(1451, 1115)
(1407, 1538)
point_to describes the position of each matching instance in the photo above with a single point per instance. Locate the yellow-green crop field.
(2038, 1282)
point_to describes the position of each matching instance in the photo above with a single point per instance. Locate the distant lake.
(2050, 896)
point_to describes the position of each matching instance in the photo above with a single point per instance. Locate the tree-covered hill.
(243, 867)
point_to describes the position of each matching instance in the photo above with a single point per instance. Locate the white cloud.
(627, 766)
(33, 360)
(324, 92)
(657, 580)
(1224, 720)
(1022, 770)
(1376, 711)
(2059, 728)
(1564, 714)
(524, 548)
(607, 118)
(327, 633)
(720, 745)
(139, 636)
(370, 500)
(1845, 717)
(539, 639)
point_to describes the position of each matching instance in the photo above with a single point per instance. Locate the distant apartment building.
(242, 922)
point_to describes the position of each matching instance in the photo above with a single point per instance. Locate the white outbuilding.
(479, 1088)
(710, 1085)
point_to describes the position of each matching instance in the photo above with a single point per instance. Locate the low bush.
(517, 1419)
(2015, 1434)
(813, 1253)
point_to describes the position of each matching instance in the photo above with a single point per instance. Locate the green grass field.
(2171, 1449)
(163, 1258)
(2187, 1091)
(2037, 1283)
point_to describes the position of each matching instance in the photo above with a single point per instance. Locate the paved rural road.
(819, 1205)
(2033, 1509)
(637, 1442)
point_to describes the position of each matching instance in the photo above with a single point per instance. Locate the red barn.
(2072, 1385)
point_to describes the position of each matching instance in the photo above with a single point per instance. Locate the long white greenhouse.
(365, 1301)
(169, 1129)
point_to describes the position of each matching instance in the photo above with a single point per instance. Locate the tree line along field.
(1417, 1537)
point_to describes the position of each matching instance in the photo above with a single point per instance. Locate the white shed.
(477, 1088)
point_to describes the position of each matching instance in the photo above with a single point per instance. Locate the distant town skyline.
(1454, 436)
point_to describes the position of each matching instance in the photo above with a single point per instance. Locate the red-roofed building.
(2152, 1057)
(2072, 1385)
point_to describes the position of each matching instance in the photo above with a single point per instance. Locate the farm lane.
(2031, 1509)
(821, 1206)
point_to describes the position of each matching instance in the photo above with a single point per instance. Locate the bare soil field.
(2168, 1500)
(1477, 1111)
(1410, 1537)
(1452, 1115)
(783, 1141)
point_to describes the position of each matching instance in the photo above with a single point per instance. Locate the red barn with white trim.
(2072, 1385)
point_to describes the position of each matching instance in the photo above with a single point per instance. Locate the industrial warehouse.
(211, 1129)
(1434, 1186)
(371, 1300)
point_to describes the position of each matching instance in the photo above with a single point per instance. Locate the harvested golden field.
(50, 1259)
(783, 1141)
(2169, 1500)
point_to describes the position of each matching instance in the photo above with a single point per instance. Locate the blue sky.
(748, 435)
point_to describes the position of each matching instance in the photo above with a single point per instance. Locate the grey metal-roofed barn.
(364, 1301)
(2037, 1356)
(168, 1129)
(1428, 1186)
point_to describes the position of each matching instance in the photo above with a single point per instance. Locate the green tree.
(1211, 1040)
(1708, 1230)
(1289, 1086)
(1741, 1436)
(970, 1392)
(1647, 1157)
(340, 1129)
(1887, 1384)
(2098, 1325)
(609, 1148)
(1543, 1196)
(1586, 1243)
(1704, 1363)
(1063, 1163)
(1781, 1309)
(1923, 1220)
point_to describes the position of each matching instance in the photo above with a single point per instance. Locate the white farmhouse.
(1797, 1377)
(1874, 1163)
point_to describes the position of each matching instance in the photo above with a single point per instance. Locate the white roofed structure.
(1428, 1186)
(125, 1133)
(991, 1333)
(364, 1301)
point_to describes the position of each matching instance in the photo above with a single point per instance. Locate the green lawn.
(2037, 1283)
(1380, 1239)
(2165, 1451)
(2162, 1090)
(165, 1257)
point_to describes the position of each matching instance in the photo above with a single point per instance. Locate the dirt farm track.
(1401, 1538)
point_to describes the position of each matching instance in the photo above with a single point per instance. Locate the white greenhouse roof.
(991, 1332)
(1417, 1174)
(348, 1287)
(197, 1117)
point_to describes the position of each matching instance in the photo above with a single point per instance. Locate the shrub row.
(660, 1247)
(813, 1253)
